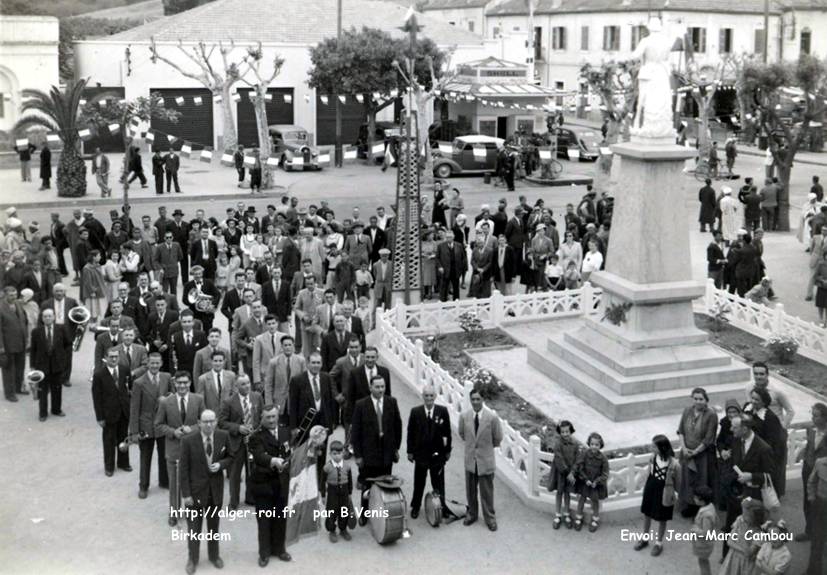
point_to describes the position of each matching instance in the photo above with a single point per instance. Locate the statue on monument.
(653, 117)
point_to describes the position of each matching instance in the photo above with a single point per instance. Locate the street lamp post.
(338, 145)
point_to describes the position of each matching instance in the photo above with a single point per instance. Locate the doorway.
(502, 127)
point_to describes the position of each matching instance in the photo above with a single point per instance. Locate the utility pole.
(530, 41)
(338, 147)
(766, 30)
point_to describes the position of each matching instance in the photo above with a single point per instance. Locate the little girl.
(235, 261)
(93, 287)
(222, 271)
(774, 557)
(554, 274)
(592, 474)
(364, 313)
(247, 241)
(257, 249)
(364, 279)
(741, 556)
(659, 493)
(332, 259)
(706, 520)
(566, 450)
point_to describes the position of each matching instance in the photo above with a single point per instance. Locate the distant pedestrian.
(255, 172)
(25, 155)
(45, 167)
(172, 162)
(135, 167)
(769, 204)
(238, 159)
(713, 160)
(731, 151)
(659, 493)
(158, 171)
(817, 189)
(100, 168)
(706, 197)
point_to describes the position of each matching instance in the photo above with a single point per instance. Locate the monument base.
(398, 296)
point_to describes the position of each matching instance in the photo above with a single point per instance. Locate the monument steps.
(672, 376)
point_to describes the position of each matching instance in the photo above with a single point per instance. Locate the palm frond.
(32, 120)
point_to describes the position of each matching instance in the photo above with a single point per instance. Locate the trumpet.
(79, 316)
(123, 446)
(33, 378)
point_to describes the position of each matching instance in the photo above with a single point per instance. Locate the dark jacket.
(157, 165)
(459, 261)
(757, 461)
(231, 416)
(54, 359)
(301, 400)
(745, 261)
(277, 304)
(45, 163)
(714, 253)
(268, 486)
(13, 328)
(429, 442)
(196, 479)
(364, 432)
(185, 354)
(109, 397)
(356, 385)
(706, 196)
(332, 349)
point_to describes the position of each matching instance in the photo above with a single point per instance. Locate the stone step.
(674, 378)
(646, 361)
(623, 407)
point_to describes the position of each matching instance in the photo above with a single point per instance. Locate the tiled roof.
(453, 4)
(147, 11)
(301, 22)
(517, 7)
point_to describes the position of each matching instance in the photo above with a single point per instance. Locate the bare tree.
(259, 84)
(217, 81)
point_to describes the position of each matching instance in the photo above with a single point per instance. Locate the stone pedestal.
(648, 364)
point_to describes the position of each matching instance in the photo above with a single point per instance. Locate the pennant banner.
(272, 162)
(303, 496)
(236, 97)
(227, 160)
(324, 100)
(360, 98)
(52, 138)
(206, 156)
(22, 143)
(288, 98)
(217, 99)
(249, 161)
(85, 134)
(81, 102)
(172, 139)
(186, 150)
(378, 148)
(324, 159)
(350, 154)
(545, 154)
(179, 100)
(160, 101)
(198, 100)
(150, 137)
(268, 97)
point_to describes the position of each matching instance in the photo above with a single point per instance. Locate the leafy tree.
(361, 62)
(57, 111)
(767, 90)
(216, 80)
(124, 113)
(176, 6)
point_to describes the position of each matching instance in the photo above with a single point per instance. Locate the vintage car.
(474, 154)
(584, 140)
(291, 145)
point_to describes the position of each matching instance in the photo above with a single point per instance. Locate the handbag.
(768, 495)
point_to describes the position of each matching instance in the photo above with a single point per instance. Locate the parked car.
(384, 131)
(447, 131)
(586, 141)
(291, 143)
(464, 160)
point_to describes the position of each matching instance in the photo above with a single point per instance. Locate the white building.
(123, 61)
(28, 60)
(467, 14)
(805, 29)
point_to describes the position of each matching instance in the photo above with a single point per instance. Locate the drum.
(433, 509)
(387, 511)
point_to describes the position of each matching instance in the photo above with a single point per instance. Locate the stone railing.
(763, 321)
(520, 461)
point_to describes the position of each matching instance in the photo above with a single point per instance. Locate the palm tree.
(58, 112)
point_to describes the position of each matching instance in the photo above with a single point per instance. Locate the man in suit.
(199, 285)
(357, 381)
(204, 253)
(240, 415)
(269, 484)
(110, 397)
(429, 447)
(217, 384)
(203, 357)
(358, 246)
(251, 283)
(105, 341)
(504, 266)
(383, 279)
(311, 389)
(516, 236)
(334, 343)
(244, 338)
(158, 171)
(176, 417)
(275, 296)
(185, 343)
(13, 330)
(265, 347)
(172, 162)
(38, 280)
(341, 372)
(180, 235)
(147, 391)
(234, 299)
(482, 432)
(376, 434)
(156, 293)
(378, 239)
(451, 263)
(158, 326)
(265, 269)
(133, 357)
(308, 302)
(326, 312)
(204, 457)
(715, 259)
(50, 349)
(280, 371)
(482, 260)
(168, 256)
(353, 324)
(814, 448)
(61, 305)
(117, 315)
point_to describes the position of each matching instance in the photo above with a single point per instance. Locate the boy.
(339, 478)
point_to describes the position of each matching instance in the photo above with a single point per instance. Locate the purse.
(768, 495)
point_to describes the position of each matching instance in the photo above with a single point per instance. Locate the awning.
(504, 90)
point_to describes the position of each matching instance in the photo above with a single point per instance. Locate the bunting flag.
(360, 98)
(350, 154)
(52, 138)
(268, 97)
(342, 98)
(122, 101)
(288, 98)
(22, 143)
(186, 150)
(179, 100)
(172, 139)
(394, 93)
(150, 137)
(103, 103)
(323, 99)
(198, 100)
(573, 153)
(303, 495)
(377, 96)
(160, 101)
(85, 134)
(324, 158)
(227, 160)
(206, 156)
(249, 161)
(81, 102)
(272, 162)
(479, 153)
(605, 151)
(378, 148)
(545, 154)
(236, 97)
(445, 148)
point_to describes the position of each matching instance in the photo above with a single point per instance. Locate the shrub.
(471, 324)
(782, 347)
(488, 384)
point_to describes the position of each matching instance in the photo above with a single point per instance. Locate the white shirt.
(59, 313)
(592, 262)
(215, 376)
(370, 373)
(748, 443)
(377, 404)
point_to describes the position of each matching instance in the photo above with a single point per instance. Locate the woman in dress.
(247, 241)
(740, 558)
(570, 251)
(724, 443)
(769, 428)
(592, 261)
(428, 251)
(820, 280)
(659, 493)
(461, 236)
(440, 205)
(112, 274)
(697, 429)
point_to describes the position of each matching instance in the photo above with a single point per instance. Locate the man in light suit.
(147, 392)
(177, 416)
(481, 431)
(280, 371)
(383, 279)
(341, 372)
(244, 338)
(240, 414)
(308, 302)
(106, 340)
(265, 347)
(110, 398)
(327, 311)
(217, 384)
(358, 246)
(168, 255)
(203, 357)
(241, 315)
(353, 324)
(133, 357)
(251, 283)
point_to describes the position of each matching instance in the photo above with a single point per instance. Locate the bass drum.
(433, 509)
(387, 513)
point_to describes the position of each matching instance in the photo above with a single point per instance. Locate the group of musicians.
(174, 394)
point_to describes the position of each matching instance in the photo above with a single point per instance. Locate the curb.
(275, 192)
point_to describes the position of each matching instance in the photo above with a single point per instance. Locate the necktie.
(209, 449)
(218, 381)
(314, 379)
(273, 340)
(129, 358)
(188, 340)
(246, 409)
(353, 361)
(49, 337)
(276, 286)
(476, 423)
(288, 370)
(182, 409)
(379, 415)
(341, 337)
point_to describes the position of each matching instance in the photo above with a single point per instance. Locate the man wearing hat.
(13, 331)
(358, 246)
(180, 231)
(250, 219)
(383, 279)
(97, 233)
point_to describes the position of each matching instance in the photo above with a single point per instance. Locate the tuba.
(33, 378)
(79, 316)
(200, 301)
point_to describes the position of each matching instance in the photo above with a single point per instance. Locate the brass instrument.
(33, 378)
(200, 301)
(80, 316)
(123, 446)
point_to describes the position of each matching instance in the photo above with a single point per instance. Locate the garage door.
(195, 124)
(353, 116)
(102, 138)
(278, 112)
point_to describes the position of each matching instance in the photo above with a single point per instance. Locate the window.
(759, 41)
(559, 86)
(806, 38)
(470, 25)
(488, 127)
(558, 38)
(697, 36)
(584, 37)
(538, 44)
(638, 33)
(495, 32)
(725, 41)
(611, 38)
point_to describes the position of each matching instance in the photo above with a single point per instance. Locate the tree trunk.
(370, 111)
(264, 142)
(229, 136)
(784, 172)
(71, 172)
